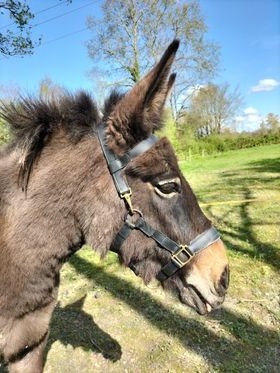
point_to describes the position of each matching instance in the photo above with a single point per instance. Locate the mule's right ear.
(139, 112)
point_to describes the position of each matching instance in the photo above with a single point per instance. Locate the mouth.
(193, 298)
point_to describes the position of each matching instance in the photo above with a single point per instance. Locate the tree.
(19, 42)
(272, 123)
(132, 33)
(213, 106)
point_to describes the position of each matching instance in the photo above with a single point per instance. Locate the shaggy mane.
(34, 121)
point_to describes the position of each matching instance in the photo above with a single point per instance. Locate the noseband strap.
(180, 254)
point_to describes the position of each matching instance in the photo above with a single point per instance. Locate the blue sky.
(248, 32)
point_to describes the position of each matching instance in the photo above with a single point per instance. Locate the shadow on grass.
(72, 326)
(243, 184)
(240, 351)
(266, 165)
(265, 252)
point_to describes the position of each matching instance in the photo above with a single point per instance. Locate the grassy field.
(107, 320)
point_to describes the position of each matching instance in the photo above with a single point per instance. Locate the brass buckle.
(127, 197)
(185, 250)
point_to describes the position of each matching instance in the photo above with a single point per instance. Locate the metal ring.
(129, 215)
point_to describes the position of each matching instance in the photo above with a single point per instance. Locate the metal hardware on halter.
(131, 218)
(127, 197)
(177, 256)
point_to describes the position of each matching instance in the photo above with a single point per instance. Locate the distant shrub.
(185, 142)
(212, 144)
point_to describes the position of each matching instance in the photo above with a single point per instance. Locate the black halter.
(180, 254)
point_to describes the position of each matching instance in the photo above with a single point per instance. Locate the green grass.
(107, 320)
(240, 191)
(235, 159)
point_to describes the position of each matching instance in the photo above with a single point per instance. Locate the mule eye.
(167, 189)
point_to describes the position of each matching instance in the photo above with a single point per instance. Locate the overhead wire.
(62, 15)
(40, 11)
(51, 7)
(57, 17)
(63, 36)
(69, 33)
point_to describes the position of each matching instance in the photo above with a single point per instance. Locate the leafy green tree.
(19, 42)
(132, 34)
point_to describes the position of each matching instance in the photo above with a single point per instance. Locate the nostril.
(224, 282)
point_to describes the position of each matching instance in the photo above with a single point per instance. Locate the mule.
(70, 177)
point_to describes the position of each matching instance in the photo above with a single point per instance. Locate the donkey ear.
(158, 90)
(139, 112)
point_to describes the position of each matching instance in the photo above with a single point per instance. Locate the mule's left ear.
(139, 112)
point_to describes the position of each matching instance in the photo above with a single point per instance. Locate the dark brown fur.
(56, 194)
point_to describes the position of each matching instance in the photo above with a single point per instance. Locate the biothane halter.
(180, 254)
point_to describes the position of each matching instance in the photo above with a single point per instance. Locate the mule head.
(162, 194)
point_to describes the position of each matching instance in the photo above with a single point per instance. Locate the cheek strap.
(117, 164)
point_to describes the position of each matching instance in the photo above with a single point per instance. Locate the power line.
(57, 17)
(51, 7)
(58, 38)
(64, 36)
(62, 15)
(40, 11)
